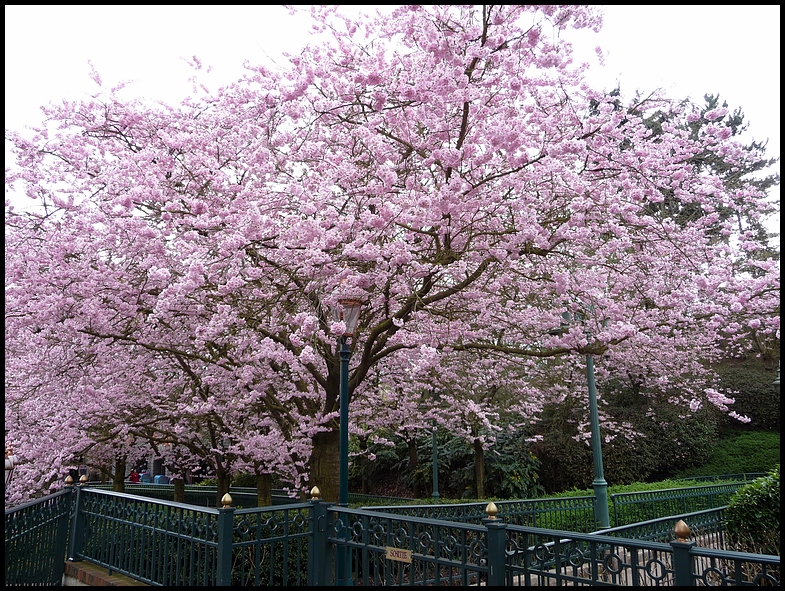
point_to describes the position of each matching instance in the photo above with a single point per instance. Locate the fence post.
(682, 559)
(76, 541)
(496, 542)
(615, 510)
(319, 547)
(225, 538)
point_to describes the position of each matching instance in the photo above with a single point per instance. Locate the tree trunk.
(222, 482)
(118, 483)
(479, 468)
(179, 489)
(325, 464)
(364, 484)
(413, 462)
(264, 490)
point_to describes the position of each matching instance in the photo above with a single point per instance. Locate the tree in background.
(447, 165)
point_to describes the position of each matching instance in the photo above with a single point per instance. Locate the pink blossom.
(715, 114)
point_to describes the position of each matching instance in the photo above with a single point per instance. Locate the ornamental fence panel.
(634, 507)
(318, 543)
(569, 513)
(36, 538)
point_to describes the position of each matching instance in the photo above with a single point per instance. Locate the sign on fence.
(398, 554)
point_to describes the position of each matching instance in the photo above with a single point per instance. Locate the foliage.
(753, 515)
(750, 382)
(739, 452)
(247, 479)
(665, 441)
(512, 470)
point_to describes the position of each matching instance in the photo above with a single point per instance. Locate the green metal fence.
(390, 549)
(204, 496)
(644, 554)
(745, 476)
(438, 552)
(36, 535)
(319, 543)
(570, 513)
(707, 526)
(242, 496)
(176, 544)
(634, 507)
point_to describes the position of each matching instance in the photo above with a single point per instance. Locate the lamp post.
(435, 452)
(348, 310)
(11, 462)
(435, 459)
(601, 515)
(776, 382)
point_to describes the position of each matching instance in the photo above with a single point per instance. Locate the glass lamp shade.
(348, 310)
(10, 463)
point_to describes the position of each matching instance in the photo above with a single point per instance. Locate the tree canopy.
(446, 165)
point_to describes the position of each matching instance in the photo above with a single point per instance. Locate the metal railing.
(570, 513)
(634, 507)
(243, 496)
(175, 544)
(36, 535)
(706, 526)
(388, 549)
(164, 543)
(391, 549)
(743, 476)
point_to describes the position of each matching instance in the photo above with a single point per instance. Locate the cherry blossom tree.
(447, 165)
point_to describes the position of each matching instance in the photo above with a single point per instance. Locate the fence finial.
(68, 480)
(226, 500)
(682, 531)
(315, 493)
(491, 510)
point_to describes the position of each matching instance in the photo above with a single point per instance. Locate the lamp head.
(348, 310)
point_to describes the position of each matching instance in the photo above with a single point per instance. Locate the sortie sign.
(398, 554)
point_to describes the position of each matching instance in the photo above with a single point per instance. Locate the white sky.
(687, 50)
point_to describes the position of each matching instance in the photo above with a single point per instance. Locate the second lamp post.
(601, 513)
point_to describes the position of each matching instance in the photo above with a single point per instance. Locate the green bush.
(666, 444)
(511, 469)
(244, 479)
(755, 396)
(753, 516)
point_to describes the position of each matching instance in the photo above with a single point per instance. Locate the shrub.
(666, 443)
(511, 470)
(753, 516)
(750, 380)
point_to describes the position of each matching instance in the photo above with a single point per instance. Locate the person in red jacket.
(134, 476)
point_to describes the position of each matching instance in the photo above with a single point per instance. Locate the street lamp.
(424, 407)
(348, 310)
(11, 461)
(435, 460)
(435, 449)
(601, 516)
